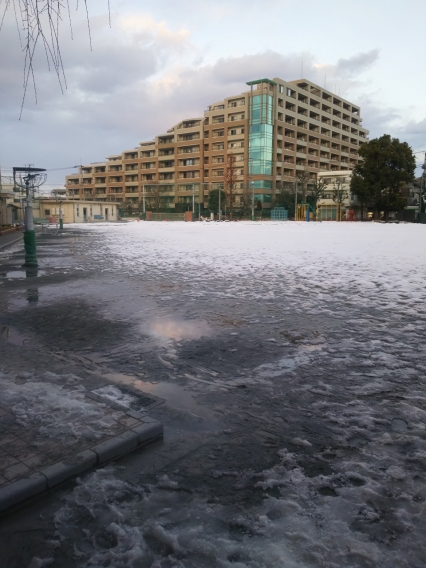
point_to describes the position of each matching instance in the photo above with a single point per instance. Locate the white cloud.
(141, 79)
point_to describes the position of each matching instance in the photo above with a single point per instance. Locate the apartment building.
(275, 129)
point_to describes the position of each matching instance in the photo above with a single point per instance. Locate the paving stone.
(36, 462)
(129, 422)
(8, 438)
(16, 471)
(7, 461)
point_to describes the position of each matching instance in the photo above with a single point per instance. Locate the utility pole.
(33, 175)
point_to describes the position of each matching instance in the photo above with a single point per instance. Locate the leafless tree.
(303, 176)
(317, 188)
(246, 202)
(155, 196)
(230, 182)
(339, 195)
(38, 25)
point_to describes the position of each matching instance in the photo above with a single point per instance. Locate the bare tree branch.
(38, 24)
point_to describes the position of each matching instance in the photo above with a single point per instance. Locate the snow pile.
(325, 521)
(55, 407)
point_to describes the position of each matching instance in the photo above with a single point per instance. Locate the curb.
(18, 492)
(10, 243)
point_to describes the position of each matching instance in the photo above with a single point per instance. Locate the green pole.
(61, 221)
(29, 233)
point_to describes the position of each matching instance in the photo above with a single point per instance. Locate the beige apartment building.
(275, 129)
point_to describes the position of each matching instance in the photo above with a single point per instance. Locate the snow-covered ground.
(352, 396)
(371, 264)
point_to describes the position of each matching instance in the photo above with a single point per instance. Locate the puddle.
(12, 336)
(30, 273)
(178, 329)
(175, 395)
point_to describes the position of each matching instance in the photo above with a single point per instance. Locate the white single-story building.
(75, 211)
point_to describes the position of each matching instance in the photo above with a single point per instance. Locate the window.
(241, 172)
(47, 212)
(281, 89)
(235, 131)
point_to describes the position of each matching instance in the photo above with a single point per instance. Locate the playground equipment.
(329, 212)
(304, 212)
(279, 214)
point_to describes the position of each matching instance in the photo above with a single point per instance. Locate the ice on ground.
(326, 521)
(55, 407)
(370, 265)
(358, 393)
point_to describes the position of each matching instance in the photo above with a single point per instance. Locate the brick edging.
(18, 492)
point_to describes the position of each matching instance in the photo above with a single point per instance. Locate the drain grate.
(123, 398)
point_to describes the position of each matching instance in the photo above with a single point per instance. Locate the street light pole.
(29, 232)
(143, 200)
(422, 186)
(295, 201)
(193, 200)
(61, 221)
(252, 200)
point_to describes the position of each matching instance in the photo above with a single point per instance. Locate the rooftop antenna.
(302, 70)
(325, 81)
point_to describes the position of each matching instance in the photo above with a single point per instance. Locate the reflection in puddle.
(32, 295)
(178, 329)
(175, 395)
(12, 336)
(28, 273)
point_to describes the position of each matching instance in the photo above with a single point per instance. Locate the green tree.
(213, 203)
(285, 198)
(387, 164)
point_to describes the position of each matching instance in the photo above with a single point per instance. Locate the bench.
(41, 221)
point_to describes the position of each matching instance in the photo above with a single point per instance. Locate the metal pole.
(143, 199)
(193, 201)
(29, 233)
(295, 201)
(61, 221)
(252, 200)
(219, 203)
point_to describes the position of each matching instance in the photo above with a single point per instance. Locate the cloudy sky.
(163, 60)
